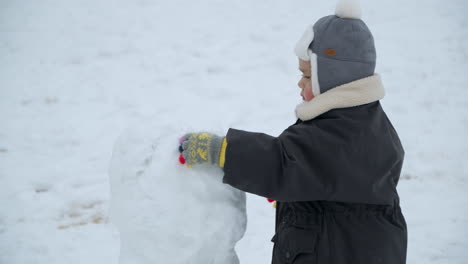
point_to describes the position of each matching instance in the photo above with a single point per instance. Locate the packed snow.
(75, 74)
(166, 212)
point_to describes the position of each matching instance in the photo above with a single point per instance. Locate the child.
(334, 172)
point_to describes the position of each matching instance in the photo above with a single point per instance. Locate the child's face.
(305, 83)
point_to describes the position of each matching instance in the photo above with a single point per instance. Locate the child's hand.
(200, 148)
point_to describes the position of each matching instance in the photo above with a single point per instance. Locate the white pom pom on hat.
(349, 9)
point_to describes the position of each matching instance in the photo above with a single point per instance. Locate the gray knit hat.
(339, 47)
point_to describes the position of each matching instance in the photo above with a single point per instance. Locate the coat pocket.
(295, 245)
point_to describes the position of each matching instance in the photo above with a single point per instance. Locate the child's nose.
(300, 84)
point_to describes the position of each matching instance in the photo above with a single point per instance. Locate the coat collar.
(359, 92)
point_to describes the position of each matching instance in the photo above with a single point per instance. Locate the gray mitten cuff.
(214, 149)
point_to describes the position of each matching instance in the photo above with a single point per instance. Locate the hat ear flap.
(314, 73)
(302, 46)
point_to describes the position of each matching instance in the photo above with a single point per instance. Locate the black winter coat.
(334, 178)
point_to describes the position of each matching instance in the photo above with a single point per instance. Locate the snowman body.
(165, 212)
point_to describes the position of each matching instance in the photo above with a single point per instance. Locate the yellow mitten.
(202, 148)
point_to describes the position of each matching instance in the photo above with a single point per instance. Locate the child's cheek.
(308, 92)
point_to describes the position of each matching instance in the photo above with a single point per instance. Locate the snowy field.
(74, 74)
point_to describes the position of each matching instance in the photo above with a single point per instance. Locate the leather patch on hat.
(330, 52)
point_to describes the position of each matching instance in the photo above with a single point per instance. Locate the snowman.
(166, 213)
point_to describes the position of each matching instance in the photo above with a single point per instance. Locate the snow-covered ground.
(74, 74)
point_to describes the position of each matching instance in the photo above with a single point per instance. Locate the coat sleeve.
(306, 164)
